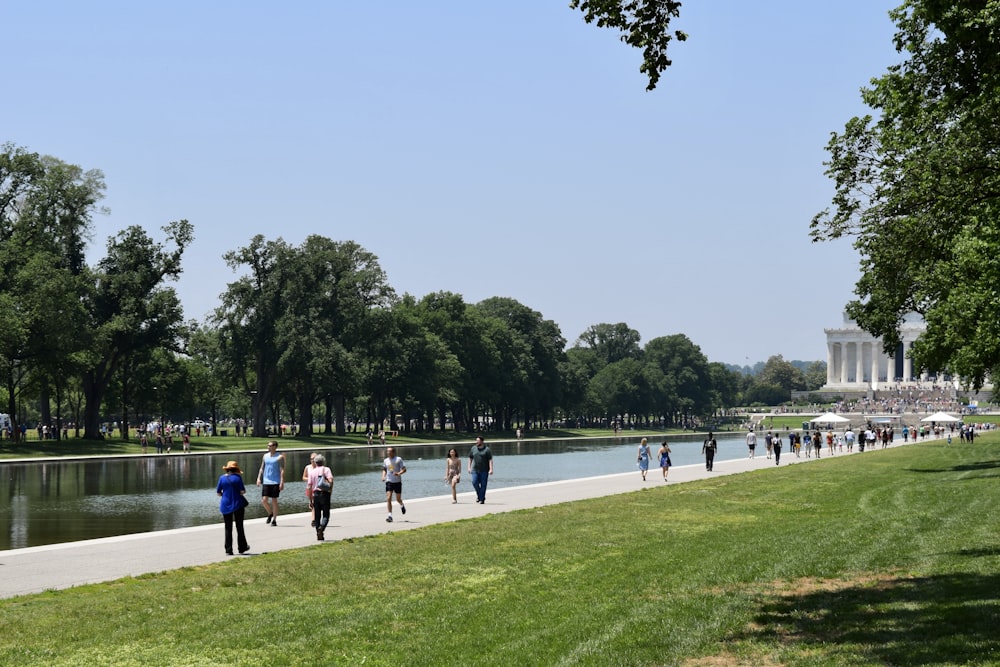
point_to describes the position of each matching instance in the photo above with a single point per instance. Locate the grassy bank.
(891, 557)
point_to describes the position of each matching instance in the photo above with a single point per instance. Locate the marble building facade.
(855, 359)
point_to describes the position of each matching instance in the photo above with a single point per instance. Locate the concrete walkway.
(57, 566)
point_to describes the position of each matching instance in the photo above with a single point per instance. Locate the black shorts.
(270, 490)
(394, 487)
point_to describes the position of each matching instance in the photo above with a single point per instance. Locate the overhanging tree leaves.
(918, 187)
(644, 24)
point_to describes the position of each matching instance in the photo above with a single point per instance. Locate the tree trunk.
(339, 411)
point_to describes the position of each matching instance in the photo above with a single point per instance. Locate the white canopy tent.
(829, 418)
(940, 417)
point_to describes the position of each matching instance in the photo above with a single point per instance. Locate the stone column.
(859, 361)
(829, 362)
(843, 362)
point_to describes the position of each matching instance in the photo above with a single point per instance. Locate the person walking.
(271, 480)
(776, 448)
(320, 487)
(664, 455)
(643, 458)
(305, 478)
(751, 444)
(453, 472)
(480, 468)
(232, 505)
(708, 448)
(392, 474)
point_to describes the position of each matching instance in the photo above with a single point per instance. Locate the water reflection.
(63, 501)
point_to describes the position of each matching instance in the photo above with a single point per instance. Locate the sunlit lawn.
(887, 558)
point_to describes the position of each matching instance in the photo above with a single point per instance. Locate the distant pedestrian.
(708, 448)
(751, 444)
(664, 455)
(392, 474)
(232, 505)
(453, 472)
(480, 468)
(643, 458)
(271, 480)
(186, 439)
(776, 448)
(320, 487)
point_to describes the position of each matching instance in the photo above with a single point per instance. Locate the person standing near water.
(643, 458)
(232, 505)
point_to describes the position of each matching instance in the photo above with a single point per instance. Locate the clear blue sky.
(487, 148)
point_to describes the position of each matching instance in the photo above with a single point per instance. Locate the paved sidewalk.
(56, 566)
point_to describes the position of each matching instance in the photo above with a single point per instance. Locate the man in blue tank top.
(271, 479)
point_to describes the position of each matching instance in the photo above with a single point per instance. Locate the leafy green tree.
(684, 386)
(611, 342)
(329, 291)
(459, 327)
(642, 24)
(250, 307)
(620, 388)
(210, 370)
(575, 371)
(815, 375)
(918, 184)
(781, 373)
(725, 385)
(128, 308)
(45, 214)
(762, 393)
(531, 348)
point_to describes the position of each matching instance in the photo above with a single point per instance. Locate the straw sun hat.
(233, 466)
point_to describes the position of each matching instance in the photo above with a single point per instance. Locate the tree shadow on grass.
(943, 619)
(965, 467)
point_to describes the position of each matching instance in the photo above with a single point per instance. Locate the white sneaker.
(388, 519)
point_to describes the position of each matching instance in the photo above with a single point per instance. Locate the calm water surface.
(64, 501)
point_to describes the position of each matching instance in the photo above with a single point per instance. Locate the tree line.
(310, 334)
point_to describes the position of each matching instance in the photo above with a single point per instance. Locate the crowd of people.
(319, 487)
(319, 479)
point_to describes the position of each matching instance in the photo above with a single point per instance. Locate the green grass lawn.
(887, 558)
